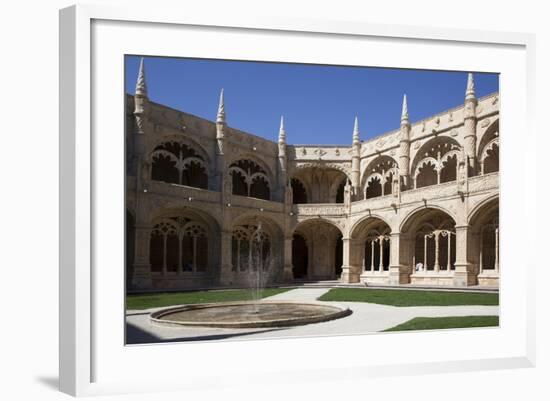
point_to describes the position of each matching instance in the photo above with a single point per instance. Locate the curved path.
(366, 318)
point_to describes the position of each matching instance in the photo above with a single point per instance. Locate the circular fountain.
(256, 313)
(250, 314)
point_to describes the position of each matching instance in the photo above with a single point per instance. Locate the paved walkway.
(366, 318)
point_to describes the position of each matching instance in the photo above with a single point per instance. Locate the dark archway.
(299, 194)
(299, 256)
(340, 192)
(177, 163)
(338, 257)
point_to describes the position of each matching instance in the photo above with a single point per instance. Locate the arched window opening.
(299, 194)
(374, 188)
(435, 248)
(251, 249)
(179, 245)
(176, 163)
(300, 257)
(338, 256)
(388, 184)
(489, 258)
(249, 179)
(340, 192)
(377, 252)
(491, 159)
(449, 169)
(427, 175)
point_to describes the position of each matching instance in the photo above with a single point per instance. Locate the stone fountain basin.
(243, 314)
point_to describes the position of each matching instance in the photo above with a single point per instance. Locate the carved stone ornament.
(437, 121)
(450, 116)
(416, 145)
(337, 152)
(454, 132)
(495, 100)
(423, 126)
(304, 151)
(485, 123)
(392, 152)
(380, 143)
(320, 152)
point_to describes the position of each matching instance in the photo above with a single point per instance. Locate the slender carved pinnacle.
(404, 110)
(221, 110)
(470, 88)
(356, 131)
(282, 133)
(141, 85)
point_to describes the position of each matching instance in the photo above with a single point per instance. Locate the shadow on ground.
(136, 335)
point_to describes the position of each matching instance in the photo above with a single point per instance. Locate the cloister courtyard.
(373, 310)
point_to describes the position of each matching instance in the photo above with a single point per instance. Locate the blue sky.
(319, 102)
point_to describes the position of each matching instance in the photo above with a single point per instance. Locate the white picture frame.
(93, 363)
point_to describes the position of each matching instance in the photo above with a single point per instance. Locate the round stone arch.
(408, 220)
(210, 221)
(256, 159)
(483, 240)
(321, 165)
(320, 256)
(389, 162)
(190, 142)
(184, 241)
(271, 245)
(481, 206)
(420, 154)
(429, 242)
(356, 226)
(487, 136)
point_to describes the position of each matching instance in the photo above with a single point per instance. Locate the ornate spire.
(470, 88)
(405, 110)
(221, 110)
(141, 85)
(282, 133)
(356, 131)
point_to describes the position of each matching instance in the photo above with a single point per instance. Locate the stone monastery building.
(418, 205)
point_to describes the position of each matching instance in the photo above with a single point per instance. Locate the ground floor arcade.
(188, 249)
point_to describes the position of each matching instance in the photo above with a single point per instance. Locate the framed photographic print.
(334, 196)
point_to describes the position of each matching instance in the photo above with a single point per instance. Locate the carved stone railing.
(183, 191)
(319, 209)
(256, 203)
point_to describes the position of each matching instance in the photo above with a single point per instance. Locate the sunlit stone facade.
(417, 205)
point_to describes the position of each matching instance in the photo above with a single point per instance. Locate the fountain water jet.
(261, 269)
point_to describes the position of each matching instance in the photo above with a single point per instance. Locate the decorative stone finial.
(221, 110)
(356, 131)
(282, 133)
(470, 88)
(404, 110)
(141, 85)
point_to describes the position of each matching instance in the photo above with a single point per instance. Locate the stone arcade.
(418, 205)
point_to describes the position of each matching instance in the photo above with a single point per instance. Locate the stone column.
(381, 264)
(481, 252)
(350, 273)
(399, 271)
(141, 276)
(226, 273)
(464, 274)
(288, 275)
(372, 255)
(448, 251)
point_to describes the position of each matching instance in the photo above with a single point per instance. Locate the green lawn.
(154, 300)
(409, 297)
(450, 322)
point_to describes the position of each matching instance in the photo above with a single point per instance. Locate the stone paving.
(366, 318)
